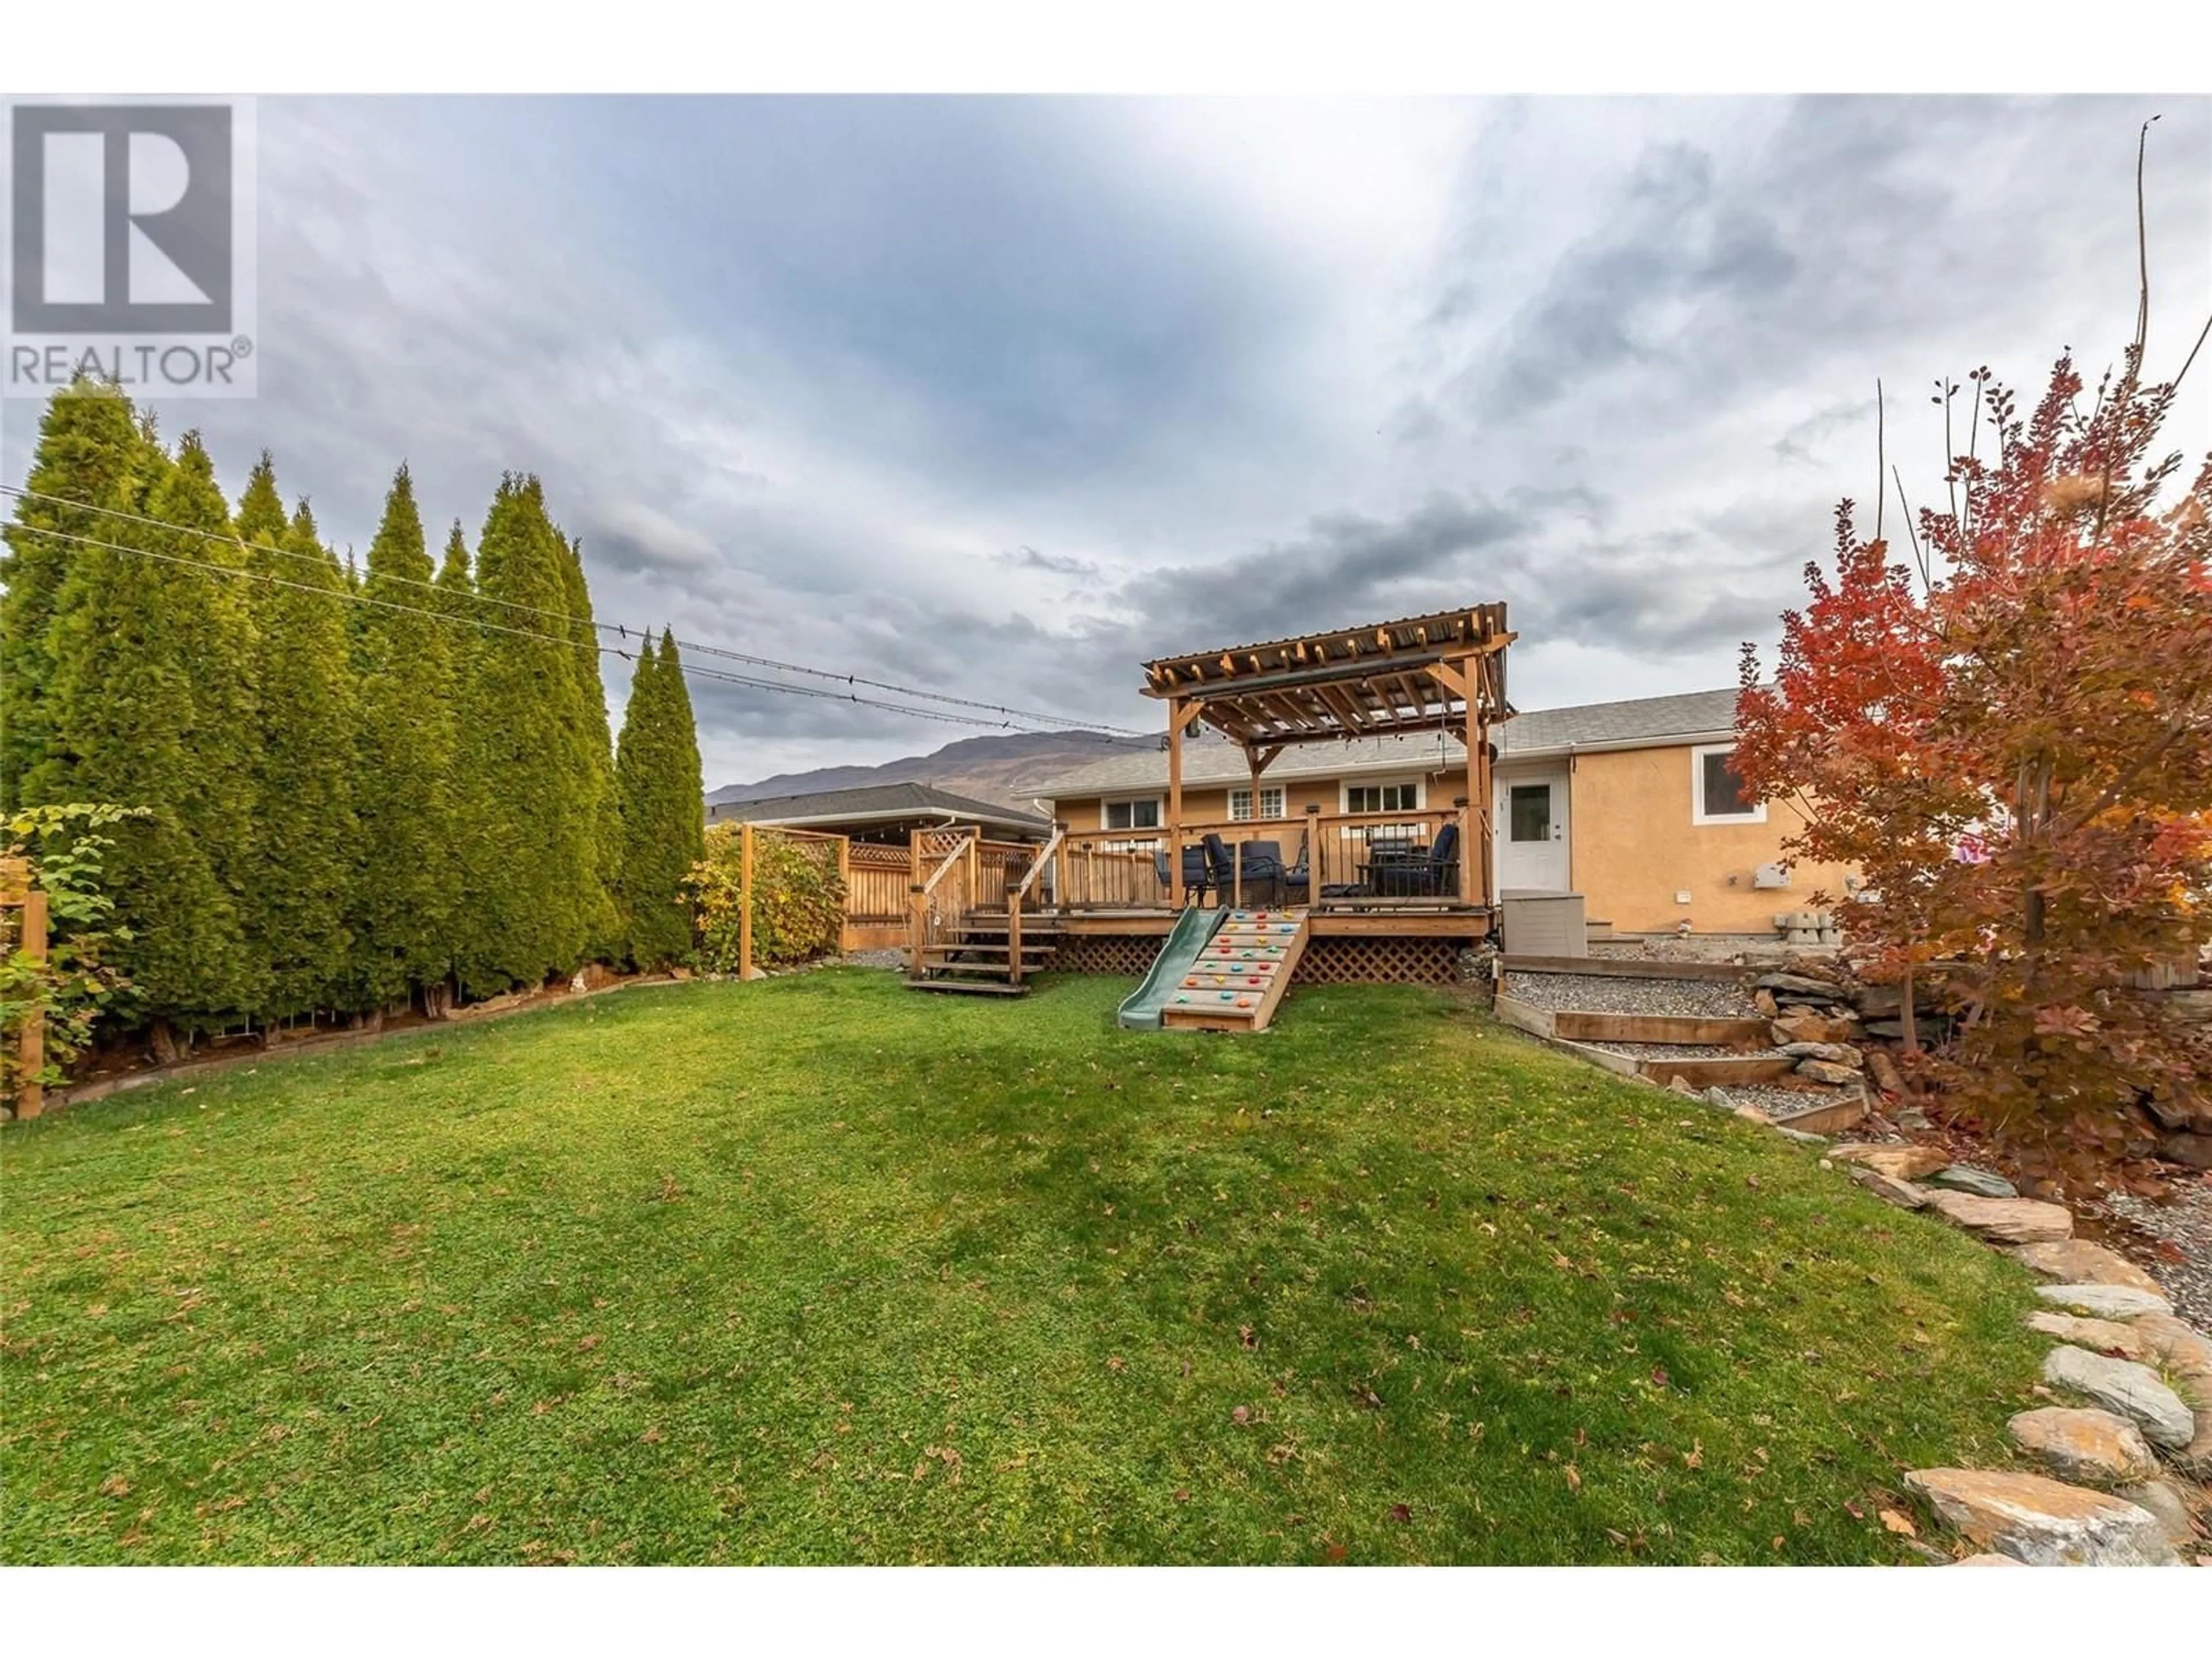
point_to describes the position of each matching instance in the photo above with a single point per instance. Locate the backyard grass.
(820, 1270)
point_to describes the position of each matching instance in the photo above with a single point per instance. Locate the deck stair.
(977, 958)
(1239, 979)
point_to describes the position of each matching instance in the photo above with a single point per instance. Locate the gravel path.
(1782, 1103)
(1601, 994)
(2185, 1224)
(875, 959)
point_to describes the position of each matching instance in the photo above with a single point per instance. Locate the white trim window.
(1716, 794)
(1271, 803)
(1142, 812)
(1385, 795)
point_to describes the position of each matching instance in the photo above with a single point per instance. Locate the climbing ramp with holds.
(1238, 978)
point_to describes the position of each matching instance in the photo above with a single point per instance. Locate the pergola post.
(1175, 802)
(1474, 862)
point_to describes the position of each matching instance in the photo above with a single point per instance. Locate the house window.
(1382, 797)
(1134, 814)
(1271, 803)
(1716, 793)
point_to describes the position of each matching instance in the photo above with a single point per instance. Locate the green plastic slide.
(1187, 941)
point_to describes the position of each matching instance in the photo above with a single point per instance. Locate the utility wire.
(619, 630)
(570, 643)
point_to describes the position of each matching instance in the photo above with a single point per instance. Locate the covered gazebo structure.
(1442, 672)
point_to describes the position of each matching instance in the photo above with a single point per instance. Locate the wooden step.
(981, 987)
(979, 948)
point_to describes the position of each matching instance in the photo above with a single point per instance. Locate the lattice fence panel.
(1336, 960)
(1106, 954)
(1330, 961)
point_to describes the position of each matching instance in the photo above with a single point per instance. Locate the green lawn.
(819, 1270)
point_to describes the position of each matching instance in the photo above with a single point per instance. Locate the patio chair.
(1260, 863)
(1433, 874)
(1195, 878)
(1221, 866)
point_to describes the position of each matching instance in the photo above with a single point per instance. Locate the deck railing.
(1373, 860)
(1349, 861)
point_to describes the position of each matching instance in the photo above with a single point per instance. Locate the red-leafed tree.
(2011, 741)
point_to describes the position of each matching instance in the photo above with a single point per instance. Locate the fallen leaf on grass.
(1897, 1523)
(1401, 1512)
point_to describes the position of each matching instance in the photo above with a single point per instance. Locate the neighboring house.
(1630, 804)
(885, 813)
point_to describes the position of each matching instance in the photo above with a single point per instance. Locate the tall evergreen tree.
(153, 705)
(261, 515)
(90, 451)
(467, 938)
(594, 742)
(305, 848)
(403, 791)
(663, 813)
(538, 834)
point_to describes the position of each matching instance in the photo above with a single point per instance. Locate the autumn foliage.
(2011, 740)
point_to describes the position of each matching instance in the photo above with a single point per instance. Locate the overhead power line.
(619, 630)
(569, 643)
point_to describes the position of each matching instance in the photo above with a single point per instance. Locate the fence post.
(745, 915)
(845, 898)
(31, 1045)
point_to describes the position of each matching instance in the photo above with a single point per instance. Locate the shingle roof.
(871, 801)
(1640, 721)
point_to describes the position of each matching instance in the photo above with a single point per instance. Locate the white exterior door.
(1531, 812)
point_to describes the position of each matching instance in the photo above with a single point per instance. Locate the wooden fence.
(27, 934)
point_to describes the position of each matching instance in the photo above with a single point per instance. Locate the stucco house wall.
(1635, 843)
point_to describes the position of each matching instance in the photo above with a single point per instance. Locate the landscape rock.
(2084, 1445)
(2194, 1150)
(1836, 1054)
(2164, 1499)
(2122, 1386)
(1825, 1071)
(1905, 1163)
(2187, 1355)
(1803, 1137)
(1988, 1561)
(1885, 1028)
(2105, 1301)
(1802, 1025)
(2099, 1336)
(2079, 1261)
(1765, 1002)
(1716, 1096)
(2178, 1343)
(1966, 1178)
(2041, 1521)
(2005, 1220)
(1903, 1193)
(1799, 984)
(1751, 1113)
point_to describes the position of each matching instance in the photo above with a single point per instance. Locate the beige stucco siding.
(1635, 844)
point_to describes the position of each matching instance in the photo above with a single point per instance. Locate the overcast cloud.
(1000, 397)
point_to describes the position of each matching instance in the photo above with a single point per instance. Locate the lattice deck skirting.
(1332, 960)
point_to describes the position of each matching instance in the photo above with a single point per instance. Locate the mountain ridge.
(1005, 769)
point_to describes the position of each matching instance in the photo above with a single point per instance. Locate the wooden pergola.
(1444, 672)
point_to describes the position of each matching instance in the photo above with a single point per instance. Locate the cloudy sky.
(998, 398)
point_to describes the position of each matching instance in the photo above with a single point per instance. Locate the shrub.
(799, 903)
(65, 850)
